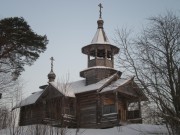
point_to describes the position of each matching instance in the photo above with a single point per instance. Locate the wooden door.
(122, 111)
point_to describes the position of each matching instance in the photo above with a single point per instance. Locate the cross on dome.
(51, 75)
(52, 59)
(100, 12)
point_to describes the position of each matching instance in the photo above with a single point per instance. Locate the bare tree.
(154, 57)
(6, 86)
(59, 117)
(4, 113)
(66, 116)
(15, 97)
(11, 94)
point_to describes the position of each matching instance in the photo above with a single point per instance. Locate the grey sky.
(71, 24)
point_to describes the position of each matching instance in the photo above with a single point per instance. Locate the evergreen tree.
(19, 45)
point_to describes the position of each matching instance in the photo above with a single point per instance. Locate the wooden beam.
(117, 107)
(139, 105)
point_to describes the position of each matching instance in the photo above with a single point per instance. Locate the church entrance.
(122, 111)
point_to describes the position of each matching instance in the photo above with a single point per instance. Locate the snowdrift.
(132, 129)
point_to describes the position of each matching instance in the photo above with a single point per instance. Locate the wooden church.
(101, 100)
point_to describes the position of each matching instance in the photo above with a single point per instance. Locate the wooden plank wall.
(50, 111)
(31, 114)
(90, 108)
(86, 109)
(111, 119)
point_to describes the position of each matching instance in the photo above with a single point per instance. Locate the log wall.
(51, 111)
(100, 62)
(31, 114)
(95, 75)
(108, 119)
(86, 109)
(90, 110)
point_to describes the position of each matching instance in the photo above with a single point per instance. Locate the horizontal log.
(88, 112)
(90, 103)
(86, 96)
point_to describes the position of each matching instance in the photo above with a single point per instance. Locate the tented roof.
(100, 40)
(100, 37)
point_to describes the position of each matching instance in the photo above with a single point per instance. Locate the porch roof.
(116, 84)
(126, 87)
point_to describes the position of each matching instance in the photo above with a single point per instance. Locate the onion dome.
(51, 75)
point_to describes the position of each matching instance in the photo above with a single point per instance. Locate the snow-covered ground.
(133, 129)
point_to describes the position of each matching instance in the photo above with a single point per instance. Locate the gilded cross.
(52, 59)
(100, 12)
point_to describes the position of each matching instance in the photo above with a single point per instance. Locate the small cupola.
(51, 75)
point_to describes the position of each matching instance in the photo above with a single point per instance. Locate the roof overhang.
(109, 47)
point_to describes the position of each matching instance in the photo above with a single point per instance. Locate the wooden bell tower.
(100, 55)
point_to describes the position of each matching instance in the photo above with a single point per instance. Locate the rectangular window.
(66, 110)
(109, 109)
(69, 109)
(109, 104)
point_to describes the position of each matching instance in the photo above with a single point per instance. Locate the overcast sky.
(71, 24)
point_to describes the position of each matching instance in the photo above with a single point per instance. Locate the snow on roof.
(80, 86)
(100, 37)
(98, 67)
(63, 88)
(70, 89)
(116, 84)
(29, 100)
